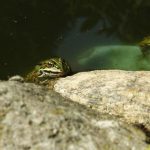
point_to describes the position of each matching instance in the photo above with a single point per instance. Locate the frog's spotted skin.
(49, 69)
(53, 68)
(145, 46)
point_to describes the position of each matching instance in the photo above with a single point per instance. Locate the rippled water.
(89, 34)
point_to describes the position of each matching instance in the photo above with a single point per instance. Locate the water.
(89, 34)
(126, 57)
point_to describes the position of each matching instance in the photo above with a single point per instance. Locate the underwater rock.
(32, 117)
(125, 94)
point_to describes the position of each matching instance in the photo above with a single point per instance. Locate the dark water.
(93, 34)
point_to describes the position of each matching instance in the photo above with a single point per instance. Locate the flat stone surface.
(125, 94)
(34, 118)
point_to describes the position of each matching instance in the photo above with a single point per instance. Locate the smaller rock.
(16, 78)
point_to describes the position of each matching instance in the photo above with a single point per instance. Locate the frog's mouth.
(50, 73)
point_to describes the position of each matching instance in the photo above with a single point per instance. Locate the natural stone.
(16, 78)
(125, 94)
(34, 118)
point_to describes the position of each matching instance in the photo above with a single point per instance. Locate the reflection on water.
(114, 57)
(35, 30)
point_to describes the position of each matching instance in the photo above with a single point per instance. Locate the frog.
(145, 46)
(47, 72)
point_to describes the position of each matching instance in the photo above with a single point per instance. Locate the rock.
(125, 94)
(32, 117)
(16, 78)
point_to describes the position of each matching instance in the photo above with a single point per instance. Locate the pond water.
(94, 34)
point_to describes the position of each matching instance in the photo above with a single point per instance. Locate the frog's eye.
(51, 64)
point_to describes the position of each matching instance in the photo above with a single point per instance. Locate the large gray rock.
(125, 94)
(33, 118)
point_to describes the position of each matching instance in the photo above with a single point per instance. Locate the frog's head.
(52, 68)
(145, 46)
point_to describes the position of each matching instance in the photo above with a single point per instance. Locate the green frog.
(145, 46)
(48, 71)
